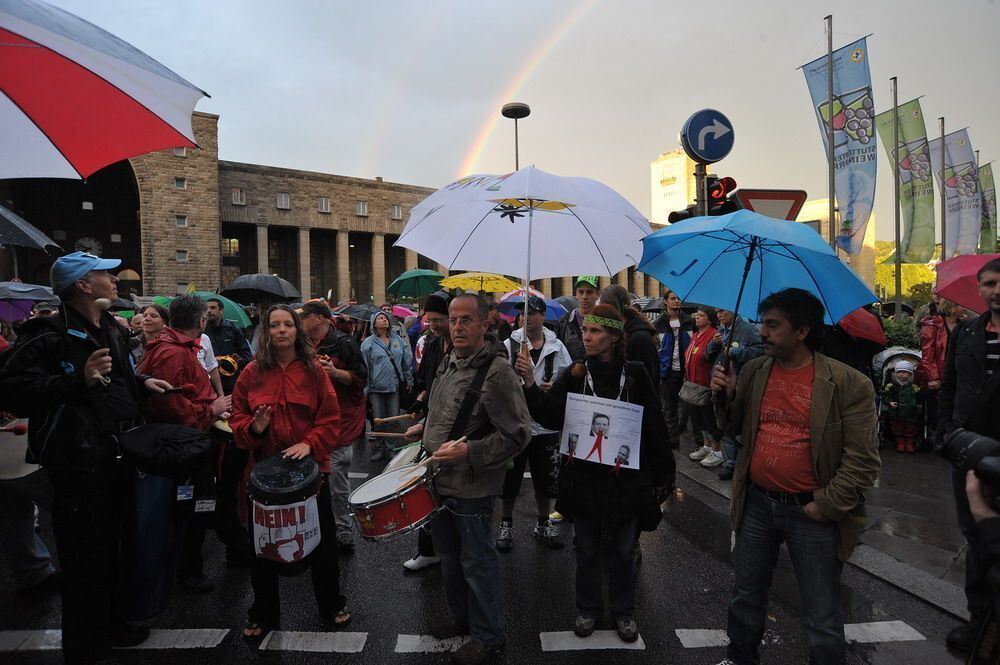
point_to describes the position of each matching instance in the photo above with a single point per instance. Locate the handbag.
(695, 393)
(406, 393)
(172, 451)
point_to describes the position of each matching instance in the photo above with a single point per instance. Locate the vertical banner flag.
(961, 190)
(916, 188)
(852, 117)
(988, 230)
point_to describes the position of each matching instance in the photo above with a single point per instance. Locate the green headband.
(603, 321)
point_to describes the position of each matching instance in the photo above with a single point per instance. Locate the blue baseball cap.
(71, 267)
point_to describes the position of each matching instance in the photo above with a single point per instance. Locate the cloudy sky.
(411, 91)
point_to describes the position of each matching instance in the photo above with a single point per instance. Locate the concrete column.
(378, 268)
(305, 271)
(622, 279)
(652, 288)
(262, 250)
(343, 266)
(604, 281)
(441, 268)
(545, 286)
(567, 286)
(639, 283)
(411, 259)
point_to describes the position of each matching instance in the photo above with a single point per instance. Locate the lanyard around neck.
(621, 384)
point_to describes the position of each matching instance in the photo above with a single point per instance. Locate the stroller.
(884, 364)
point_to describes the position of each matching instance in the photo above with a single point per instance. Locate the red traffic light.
(720, 188)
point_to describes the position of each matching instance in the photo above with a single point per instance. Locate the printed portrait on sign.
(600, 423)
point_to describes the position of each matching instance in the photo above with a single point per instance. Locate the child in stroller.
(902, 406)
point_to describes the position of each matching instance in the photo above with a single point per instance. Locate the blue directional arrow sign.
(707, 136)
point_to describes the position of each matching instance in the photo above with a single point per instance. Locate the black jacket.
(70, 425)
(966, 398)
(640, 346)
(596, 490)
(228, 340)
(569, 333)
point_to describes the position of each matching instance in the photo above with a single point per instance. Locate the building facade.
(672, 184)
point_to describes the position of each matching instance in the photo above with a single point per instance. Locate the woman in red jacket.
(935, 331)
(698, 370)
(284, 401)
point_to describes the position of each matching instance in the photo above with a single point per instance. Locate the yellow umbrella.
(480, 281)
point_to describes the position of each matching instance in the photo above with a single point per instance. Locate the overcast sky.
(403, 90)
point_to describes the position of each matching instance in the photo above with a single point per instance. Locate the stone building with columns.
(183, 216)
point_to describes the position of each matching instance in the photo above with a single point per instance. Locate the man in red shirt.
(173, 357)
(809, 452)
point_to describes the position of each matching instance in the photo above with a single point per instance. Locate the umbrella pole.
(527, 277)
(739, 296)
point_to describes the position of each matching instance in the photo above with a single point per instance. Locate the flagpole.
(832, 185)
(895, 193)
(944, 199)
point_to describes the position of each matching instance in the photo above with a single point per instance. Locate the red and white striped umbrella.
(75, 98)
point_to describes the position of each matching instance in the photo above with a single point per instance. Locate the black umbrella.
(121, 304)
(260, 288)
(22, 291)
(16, 231)
(360, 312)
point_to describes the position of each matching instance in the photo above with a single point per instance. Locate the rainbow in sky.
(514, 87)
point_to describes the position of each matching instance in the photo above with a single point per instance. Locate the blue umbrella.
(734, 261)
(514, 305)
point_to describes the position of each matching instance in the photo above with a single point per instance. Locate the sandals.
(341, 618)
(254, 636)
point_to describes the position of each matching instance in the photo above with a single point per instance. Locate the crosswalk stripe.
(159, 638)
(865, 633)
(881, 631)
(567, 640)
(282, 640)
(427, 644)
(697, 638)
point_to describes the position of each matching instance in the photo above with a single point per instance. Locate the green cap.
(587, 279)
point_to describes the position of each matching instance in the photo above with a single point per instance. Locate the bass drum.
(284, 511)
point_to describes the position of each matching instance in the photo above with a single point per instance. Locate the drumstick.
(404, 416)
(386, 435)
(411, 477)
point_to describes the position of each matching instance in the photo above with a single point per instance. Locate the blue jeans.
(385, 405)
(463, 537)
(622, 538)
(812, 547)
(730, 448)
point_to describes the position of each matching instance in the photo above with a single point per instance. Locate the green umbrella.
(231, 311)
(415, 283)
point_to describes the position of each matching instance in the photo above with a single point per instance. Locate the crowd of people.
(793, 427)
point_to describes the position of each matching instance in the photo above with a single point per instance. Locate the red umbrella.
(956, 280)
(74, 98)
(862, 324)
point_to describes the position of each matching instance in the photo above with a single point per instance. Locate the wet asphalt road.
(684, 583)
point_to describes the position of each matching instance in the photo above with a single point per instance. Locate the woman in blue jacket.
(390, 363)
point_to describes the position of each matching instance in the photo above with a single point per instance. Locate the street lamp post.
(515, 110)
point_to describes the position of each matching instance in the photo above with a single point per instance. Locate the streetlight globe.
(515, 110)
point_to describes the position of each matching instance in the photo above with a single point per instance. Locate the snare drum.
(406, 456)
(398, 501)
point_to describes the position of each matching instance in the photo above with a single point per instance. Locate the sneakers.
(547, 534)
(505, 539)
(419, 562)
(473, 653)
(713, 459)
(627, 630)
(584, 626)
(700, 454)
(379, 456)
(555, 517)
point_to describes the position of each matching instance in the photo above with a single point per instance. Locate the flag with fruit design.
(963, 196)
(852, 116)
(916, 187)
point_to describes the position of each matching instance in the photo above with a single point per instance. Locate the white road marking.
(30, 640)
(566, 640)
(876, 631)
(357, 475)
(696, 638)
(188, 638)
(281, 640)
(527, 474)
(881, 631)
(427, 644)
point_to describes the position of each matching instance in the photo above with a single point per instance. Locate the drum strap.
(469, 403)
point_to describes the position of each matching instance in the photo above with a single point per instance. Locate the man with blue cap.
(70, 375)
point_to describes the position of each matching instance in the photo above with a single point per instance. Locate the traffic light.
(678, 215)
(718, 192)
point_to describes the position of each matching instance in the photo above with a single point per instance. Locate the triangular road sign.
(775, 203)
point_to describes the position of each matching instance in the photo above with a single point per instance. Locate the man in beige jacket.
(809, 452)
